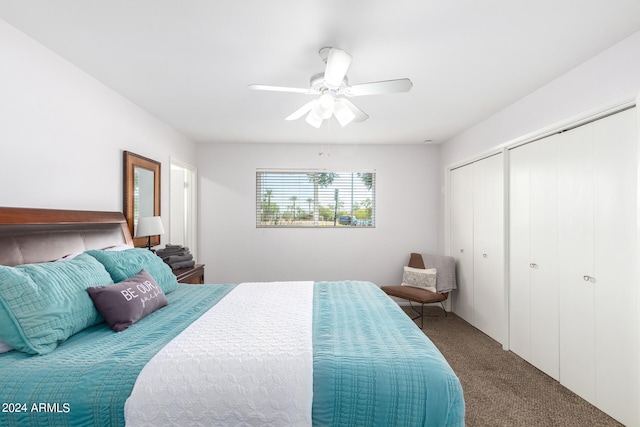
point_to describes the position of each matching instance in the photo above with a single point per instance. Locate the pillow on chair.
(420, 278)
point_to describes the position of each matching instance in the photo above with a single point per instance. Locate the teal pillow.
(122, 265)
(41, 305)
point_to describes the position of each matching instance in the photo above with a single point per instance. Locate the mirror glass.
(141, 193)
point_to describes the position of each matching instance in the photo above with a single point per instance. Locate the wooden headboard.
(41, 235)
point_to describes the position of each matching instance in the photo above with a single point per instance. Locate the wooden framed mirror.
(141, 193)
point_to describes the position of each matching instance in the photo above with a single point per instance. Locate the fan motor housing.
(318, 84)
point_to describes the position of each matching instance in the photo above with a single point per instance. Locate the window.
(312, 198)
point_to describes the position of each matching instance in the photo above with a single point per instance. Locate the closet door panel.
(616, 309)
(543, 214)
(488, 226)
(461, 239)
(519, 257)
(533, 265)
(575, 244)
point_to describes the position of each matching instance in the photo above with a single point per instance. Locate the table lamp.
(149, 226)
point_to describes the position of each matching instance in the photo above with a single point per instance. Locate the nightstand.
(190, 275)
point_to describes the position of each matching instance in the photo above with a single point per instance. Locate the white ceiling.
(188, 62)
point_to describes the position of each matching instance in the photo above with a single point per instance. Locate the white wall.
(62, 133)
(234, 250)
(612, 75)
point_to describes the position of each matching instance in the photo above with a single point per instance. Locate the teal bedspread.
(88, 378)
(372, 366)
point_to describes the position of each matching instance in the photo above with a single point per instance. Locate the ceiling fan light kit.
(324, 106)
(313, 119)
(333, 86)
(342, 113)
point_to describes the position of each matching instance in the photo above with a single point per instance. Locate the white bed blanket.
(246, 362)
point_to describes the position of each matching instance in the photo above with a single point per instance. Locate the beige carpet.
(500, 388)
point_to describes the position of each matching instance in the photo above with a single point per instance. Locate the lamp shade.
(324, 106)
(313, 119)
(149, 226)
(343, 114)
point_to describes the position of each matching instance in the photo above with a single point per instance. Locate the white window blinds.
(312, 198)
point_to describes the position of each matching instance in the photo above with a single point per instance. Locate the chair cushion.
(421, 296)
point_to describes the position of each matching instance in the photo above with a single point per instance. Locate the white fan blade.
(338, 63)
(280, 89)
(361, 116)
(375, 88)
(302, 110)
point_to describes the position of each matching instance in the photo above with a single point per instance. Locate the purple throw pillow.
(124, 303)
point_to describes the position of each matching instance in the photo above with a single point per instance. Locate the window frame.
(359, 190)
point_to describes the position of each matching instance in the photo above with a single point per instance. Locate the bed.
(278, 353)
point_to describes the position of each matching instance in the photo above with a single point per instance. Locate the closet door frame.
(579, 119)
(505, 237)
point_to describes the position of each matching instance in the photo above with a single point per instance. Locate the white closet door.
(533, 267)
(543, 214)
(519, 257)
(575, 243)
(616, 290)
(461, 239)
(488, 223)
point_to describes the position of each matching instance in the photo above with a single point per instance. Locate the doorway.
(183, 206)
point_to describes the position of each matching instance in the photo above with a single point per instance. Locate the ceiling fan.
(333, 87)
